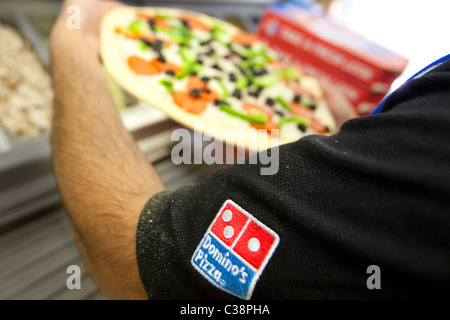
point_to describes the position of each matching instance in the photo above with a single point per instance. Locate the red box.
(361, 69)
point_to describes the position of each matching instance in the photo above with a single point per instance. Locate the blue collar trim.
(425, 70)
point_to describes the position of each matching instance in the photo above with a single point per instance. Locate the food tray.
(19, 23)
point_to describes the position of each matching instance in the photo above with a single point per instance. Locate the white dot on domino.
(253, 244)
(228, 232)
(227, 215)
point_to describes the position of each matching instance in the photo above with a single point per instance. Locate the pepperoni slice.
(165, 66)
(160, 22)
(245, 38)
(137, 36)
(185, 101)
(141, 66)
(301, 111)
(194, 22)
(317, 126)
(152, 67)
(197, 83)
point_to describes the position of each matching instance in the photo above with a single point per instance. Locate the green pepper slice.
(256, 117)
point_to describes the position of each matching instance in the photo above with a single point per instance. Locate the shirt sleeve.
(376, 193)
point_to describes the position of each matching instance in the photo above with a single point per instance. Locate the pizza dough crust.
(114, 62)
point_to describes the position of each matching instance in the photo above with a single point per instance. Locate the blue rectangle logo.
(222, 267)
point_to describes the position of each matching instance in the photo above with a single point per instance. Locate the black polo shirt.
(364, 213)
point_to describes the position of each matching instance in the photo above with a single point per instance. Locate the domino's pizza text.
(214, 261)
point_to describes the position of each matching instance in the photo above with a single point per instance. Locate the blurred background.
(36, 240)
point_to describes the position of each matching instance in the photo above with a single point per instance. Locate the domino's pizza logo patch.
(235, 250)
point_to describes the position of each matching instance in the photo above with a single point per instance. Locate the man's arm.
(104, 179)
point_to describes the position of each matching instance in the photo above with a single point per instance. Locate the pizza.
(197, 68)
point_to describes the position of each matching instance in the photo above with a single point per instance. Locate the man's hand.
(87, 36)
(104, 179)
(339, 106)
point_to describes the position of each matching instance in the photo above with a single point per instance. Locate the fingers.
(82, 15)
(339, 105)
(78, 24)
(106, 6)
